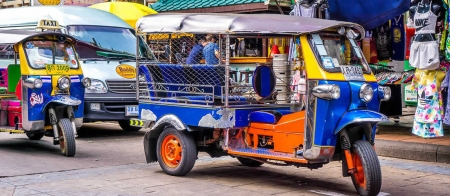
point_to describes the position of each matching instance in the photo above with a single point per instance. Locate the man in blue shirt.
(211, 51)
(196, 52)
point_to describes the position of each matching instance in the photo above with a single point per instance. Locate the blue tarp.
(368, 13)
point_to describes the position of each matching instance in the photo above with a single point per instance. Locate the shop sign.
(46, 2)
(410, 95)
(126, 71)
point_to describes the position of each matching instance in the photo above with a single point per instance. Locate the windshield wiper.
(94, 59)
(140, 59)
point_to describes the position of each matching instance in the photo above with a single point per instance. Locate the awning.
(368, 13)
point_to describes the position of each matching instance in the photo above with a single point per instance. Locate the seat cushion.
(268, 116)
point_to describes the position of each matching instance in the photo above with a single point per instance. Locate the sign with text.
(410, 95)
(353, 73)
(46, 2)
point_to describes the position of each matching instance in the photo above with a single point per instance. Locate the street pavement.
(111, 162)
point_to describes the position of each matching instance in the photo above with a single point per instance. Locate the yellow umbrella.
(127, 11)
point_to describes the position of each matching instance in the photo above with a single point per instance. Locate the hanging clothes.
(429, 112)
(398, 38)
(309, 12)
(373, 50)
(382, 36)
(446, 85)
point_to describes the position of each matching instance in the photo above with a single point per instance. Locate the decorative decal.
(67, 100)
(36, 99)
(226, 119)
(148, 115)
(30, 45)
(126, 71)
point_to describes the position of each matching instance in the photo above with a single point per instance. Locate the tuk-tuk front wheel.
(367, 176)
(66, 137)
(176, 151)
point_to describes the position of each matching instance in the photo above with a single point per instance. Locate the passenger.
(196, 53)
(211, 51)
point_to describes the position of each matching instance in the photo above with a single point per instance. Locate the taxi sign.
(48, 24)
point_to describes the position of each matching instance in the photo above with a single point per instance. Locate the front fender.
(62, 99)
(151, 137)
(359, 116)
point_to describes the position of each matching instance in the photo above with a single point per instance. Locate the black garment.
(383, 36)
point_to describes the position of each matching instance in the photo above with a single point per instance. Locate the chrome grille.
(122, 86)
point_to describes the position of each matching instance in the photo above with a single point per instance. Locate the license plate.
(57, 69)
(352, 73)
(95, 106)
(131, 110)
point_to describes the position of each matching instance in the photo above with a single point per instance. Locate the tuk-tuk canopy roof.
(236, 24)
(65, 15)
(17, 36)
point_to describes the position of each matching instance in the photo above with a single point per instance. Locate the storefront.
(409, 54)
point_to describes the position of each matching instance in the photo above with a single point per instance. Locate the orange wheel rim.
(359, 173)
(171, 151)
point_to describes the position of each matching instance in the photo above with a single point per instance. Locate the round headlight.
(335, 92)
(63, 83)
(86, 82)
(386, 93)
(366, 92)
(37, 83)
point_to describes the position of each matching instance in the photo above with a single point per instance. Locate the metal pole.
(137, 66)
(227, 69)
(220, 49)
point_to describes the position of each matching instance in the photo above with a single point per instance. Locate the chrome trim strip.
(171, 119)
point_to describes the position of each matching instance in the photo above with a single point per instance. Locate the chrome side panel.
(26, 124)
(310, 116)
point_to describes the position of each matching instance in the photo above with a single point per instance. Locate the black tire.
(188, 155)
(249, 162)
(35, 136)
(370, 183)
(125, 125)
(66, 137)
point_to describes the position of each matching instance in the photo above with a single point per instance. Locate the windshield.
(335, 51)
(109, 39)
(41, 53)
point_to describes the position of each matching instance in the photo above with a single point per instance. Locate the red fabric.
(275, 49)
(373, 51)
(409, 34)
(19, 90)
(13, 112)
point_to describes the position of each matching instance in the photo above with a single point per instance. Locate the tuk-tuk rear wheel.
(367, 177)
(66, 137)
(176, 151)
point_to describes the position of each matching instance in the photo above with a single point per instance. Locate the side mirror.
(61, 38)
